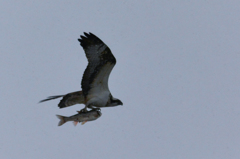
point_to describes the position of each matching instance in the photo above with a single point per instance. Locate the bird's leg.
(91, 107)
(84, 110)
(97, 109)
(94, 108)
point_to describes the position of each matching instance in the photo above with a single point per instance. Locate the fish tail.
(62, 120)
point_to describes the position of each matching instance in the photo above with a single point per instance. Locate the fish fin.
(75, 123)
(83, 122)
(62, 120)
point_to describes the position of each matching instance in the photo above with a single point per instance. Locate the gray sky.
(177, 74)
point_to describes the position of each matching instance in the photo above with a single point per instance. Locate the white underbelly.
(98, 100)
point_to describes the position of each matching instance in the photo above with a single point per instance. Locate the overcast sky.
(177, 74)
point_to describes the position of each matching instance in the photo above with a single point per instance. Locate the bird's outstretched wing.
(68, 99)
(100, 64)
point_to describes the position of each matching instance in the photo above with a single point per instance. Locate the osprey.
(95, 91)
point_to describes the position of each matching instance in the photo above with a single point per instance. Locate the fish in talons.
(80, 117)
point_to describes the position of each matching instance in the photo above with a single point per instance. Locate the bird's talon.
(82, 111)
(97, 109)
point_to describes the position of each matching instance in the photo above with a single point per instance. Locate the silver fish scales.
(80, 117)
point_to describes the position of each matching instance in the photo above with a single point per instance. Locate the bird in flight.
(95, 91)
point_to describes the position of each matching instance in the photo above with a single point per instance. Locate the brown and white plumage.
(95, 91)
(68, 99)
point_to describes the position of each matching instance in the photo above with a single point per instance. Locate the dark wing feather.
(100, 58)
(50, 98)
(68, 99)
(71, 99)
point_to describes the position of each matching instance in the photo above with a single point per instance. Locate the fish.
(80, 117)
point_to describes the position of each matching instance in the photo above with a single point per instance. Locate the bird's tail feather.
(62, 120)
(50, 98)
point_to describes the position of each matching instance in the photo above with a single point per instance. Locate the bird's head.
(115, 102)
